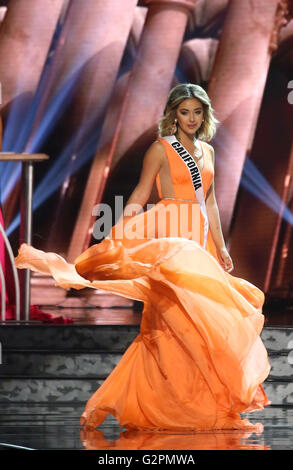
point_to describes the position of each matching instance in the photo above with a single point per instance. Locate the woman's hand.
(227, 262)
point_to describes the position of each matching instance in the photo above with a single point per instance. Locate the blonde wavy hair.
(180, 93)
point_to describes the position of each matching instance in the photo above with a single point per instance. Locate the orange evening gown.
(198, 361)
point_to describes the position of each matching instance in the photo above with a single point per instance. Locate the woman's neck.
(183, 137)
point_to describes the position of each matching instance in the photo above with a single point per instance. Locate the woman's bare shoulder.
(157, 149)
(158, 144)
(209, 148)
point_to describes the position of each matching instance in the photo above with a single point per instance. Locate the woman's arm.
(213, 214)
(215, 224)
(152, 163)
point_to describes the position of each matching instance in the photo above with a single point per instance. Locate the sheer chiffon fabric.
(198, 360)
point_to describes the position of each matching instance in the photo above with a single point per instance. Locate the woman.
(190, 119)
(198, 361)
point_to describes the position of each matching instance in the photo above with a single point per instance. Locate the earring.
(174, 127)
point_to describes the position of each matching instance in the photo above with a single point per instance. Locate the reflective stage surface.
(57, 427)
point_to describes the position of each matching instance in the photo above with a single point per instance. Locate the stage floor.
(125, 315)
(57, 427)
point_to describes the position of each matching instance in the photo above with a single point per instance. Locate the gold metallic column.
(147, 90)
(85, 67)
(25, 37)
(236, 89)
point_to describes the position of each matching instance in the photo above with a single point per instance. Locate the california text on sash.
(193, 169)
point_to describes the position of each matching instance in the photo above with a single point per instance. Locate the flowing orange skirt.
(198, 360)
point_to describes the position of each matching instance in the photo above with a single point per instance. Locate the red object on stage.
(35, 313)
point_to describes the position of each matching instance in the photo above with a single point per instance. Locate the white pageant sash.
(195, 178)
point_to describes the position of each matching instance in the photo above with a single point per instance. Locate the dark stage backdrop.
(86, 83)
